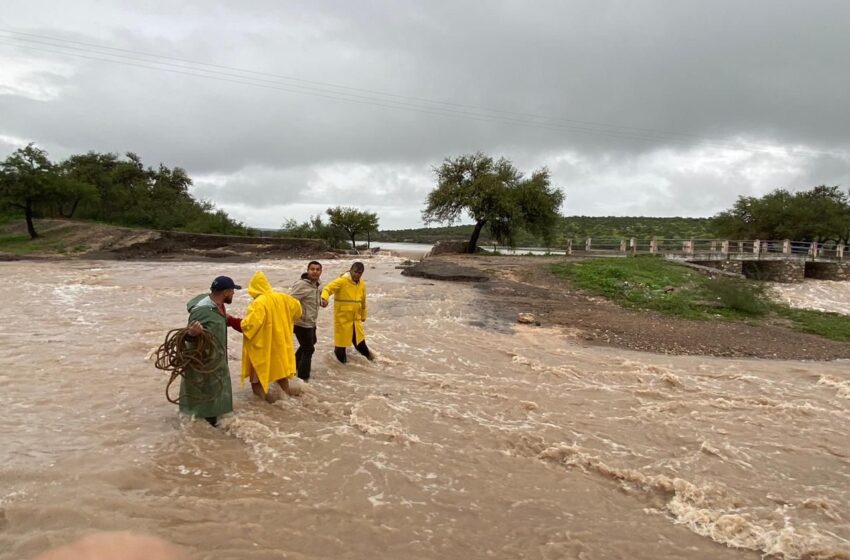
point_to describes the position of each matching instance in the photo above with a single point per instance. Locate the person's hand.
(195, 328)
(324, 302)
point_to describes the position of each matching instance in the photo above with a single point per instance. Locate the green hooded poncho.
(211, 395)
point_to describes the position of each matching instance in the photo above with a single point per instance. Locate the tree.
(27, 180)
(71, 193)
(825, 213)
(96, 170)
(493, 194)
(353, 221)
(540, 206)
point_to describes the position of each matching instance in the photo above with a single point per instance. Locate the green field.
(651, 283)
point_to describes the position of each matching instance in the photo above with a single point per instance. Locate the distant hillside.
(572, 227)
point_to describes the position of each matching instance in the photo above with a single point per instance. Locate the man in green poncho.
(210, 395)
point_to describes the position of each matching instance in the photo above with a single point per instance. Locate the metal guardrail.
(709, 249)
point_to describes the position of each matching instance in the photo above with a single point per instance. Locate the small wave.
(267, 444)
(701, 509)
(376, 416)
(842, 386)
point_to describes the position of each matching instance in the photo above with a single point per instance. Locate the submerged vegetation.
(651, 283)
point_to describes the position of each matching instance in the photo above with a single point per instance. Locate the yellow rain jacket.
(349, 309)
(267, 348)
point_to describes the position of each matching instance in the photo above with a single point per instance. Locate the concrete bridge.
(771, 260)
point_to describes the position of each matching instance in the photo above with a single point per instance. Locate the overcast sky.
(281, 109)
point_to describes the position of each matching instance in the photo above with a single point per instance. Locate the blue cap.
(224, 283)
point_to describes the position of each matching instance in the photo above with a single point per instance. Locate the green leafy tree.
(820, 214)
(27, 181)
(352, 221)
(93, 169)
(539, 206)
(71, 193)
(108, 188)
(493, 194)
(824, 214)
(314, 228)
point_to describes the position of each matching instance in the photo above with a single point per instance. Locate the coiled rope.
(194, 359)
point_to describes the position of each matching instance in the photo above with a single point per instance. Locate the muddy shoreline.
(508, 285)
(524, 285)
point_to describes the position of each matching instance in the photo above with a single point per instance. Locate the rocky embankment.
(441, 269)
(68, 238)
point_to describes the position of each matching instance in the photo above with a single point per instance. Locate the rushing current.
(467, 438)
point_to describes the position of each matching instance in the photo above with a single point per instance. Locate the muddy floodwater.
(468, 437)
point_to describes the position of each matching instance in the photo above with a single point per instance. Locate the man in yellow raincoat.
(349, 291)
(268, 355)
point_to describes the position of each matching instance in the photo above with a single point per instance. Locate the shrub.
(747, 298)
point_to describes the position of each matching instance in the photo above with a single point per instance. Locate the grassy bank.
(654, 284)
(16, 244)
(51, 241)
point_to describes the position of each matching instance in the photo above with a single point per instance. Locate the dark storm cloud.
(643, 104)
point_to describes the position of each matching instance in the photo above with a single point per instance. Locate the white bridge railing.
(712, 248)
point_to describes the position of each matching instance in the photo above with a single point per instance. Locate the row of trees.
(106, 188)
(821, 214)
(344, 224)
(497, 196)
(502, 202)
(572, 227)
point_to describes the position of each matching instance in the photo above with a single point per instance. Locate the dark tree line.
(344, 223)
(571, 227)
(821, 214)
(108, 188)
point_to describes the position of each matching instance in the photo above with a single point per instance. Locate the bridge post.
(622, 245)
(839, 251)
(740, 246)
(724, 249)
(813, 249)
(587, 244)
(570, 246)
(786, 247)
(653, 245)
(633, 245)
(756, 247)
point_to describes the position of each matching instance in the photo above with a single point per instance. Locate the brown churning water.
(468, 438)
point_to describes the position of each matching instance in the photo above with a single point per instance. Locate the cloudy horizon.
(279, 110)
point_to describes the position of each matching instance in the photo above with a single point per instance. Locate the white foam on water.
(841, 385)
(820, 295)
(459, 438)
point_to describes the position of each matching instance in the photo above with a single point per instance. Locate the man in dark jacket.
(210, 396)
(306, 291)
